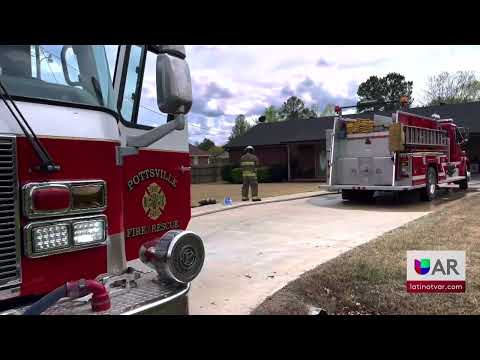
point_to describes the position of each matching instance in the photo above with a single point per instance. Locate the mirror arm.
(157, 133)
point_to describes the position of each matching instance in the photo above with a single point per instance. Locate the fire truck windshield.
(67, 73)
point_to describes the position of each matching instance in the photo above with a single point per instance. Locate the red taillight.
(50, 199)
(58, 199)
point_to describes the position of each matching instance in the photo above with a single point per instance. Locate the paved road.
(253, 251)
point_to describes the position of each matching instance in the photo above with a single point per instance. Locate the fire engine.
(399, 153)
(86, 188)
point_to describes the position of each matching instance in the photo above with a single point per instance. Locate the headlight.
(48, 238)
(52, 237)
(178, 255)
(86, 232)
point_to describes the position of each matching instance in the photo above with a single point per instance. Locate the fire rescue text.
(149, 174)
(146, 229)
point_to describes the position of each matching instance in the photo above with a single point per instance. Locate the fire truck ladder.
(415, 136)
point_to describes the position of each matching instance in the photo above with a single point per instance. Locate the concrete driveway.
(253, 251)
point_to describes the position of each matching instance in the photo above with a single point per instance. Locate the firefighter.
(248, 163)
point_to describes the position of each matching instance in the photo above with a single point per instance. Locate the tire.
(367, 195)
(430, 191)
(346, 194)
(358, 195)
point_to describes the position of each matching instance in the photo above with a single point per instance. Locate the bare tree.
(452, 88)
(328, 110)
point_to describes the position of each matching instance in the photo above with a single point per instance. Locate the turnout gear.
(248, 163)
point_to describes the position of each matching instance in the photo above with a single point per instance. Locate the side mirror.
(174, 84)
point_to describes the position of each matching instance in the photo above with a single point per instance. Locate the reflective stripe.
(247, 163)
(249, 174)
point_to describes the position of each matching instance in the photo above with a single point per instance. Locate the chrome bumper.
(374, 187)
(146, 295)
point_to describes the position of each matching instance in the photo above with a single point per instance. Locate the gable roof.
(282, 132)
(196, 151)
(304, 130)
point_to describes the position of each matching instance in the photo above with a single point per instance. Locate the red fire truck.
(86, 187)
(401, 153)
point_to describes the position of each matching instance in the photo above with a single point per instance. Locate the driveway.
(253, 251)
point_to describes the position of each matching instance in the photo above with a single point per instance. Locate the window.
(70, 73)
(148, 112)
(112, 52)
(139, 102)
(132, 80)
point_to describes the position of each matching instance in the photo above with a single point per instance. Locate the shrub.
(264, 175)
(227, 173)
(236, 176)
(279, 173)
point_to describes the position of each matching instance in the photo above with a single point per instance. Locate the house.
(221, 159)
(299, 145)
(198, 156)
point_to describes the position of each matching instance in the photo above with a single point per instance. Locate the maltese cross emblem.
(154, 201)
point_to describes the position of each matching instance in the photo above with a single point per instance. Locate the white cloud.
(231, 80)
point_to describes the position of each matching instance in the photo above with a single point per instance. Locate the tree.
(389, 88)
(271, 114)
(294, 108)
(240, 128)
(216, 150)
(315, 108)
(328, 110)
(206, 144)
(447, 88)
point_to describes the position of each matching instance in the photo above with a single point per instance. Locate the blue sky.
(242, 79)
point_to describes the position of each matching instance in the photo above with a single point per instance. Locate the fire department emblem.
(154, 201)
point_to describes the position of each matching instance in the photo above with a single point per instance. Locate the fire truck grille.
(9, 234)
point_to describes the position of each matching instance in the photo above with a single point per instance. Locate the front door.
(156, 181)
(306, 161)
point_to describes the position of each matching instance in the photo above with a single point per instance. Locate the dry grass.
(370, 279)
(219, 191)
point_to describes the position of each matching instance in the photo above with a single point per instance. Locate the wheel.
(430, 191)
(346, 194)
(464, 183)
(366, 195)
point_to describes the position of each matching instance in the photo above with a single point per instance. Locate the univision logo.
(441, 271)
(422, 266)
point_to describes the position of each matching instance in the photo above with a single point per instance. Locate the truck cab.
(88, 184)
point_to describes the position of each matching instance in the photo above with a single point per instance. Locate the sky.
(228, 80)
(241, 79)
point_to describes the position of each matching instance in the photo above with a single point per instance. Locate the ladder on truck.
(417, 136)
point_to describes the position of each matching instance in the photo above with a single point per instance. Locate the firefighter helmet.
(249, 149)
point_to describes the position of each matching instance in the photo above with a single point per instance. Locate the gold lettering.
(154, 228)
(151, 173)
